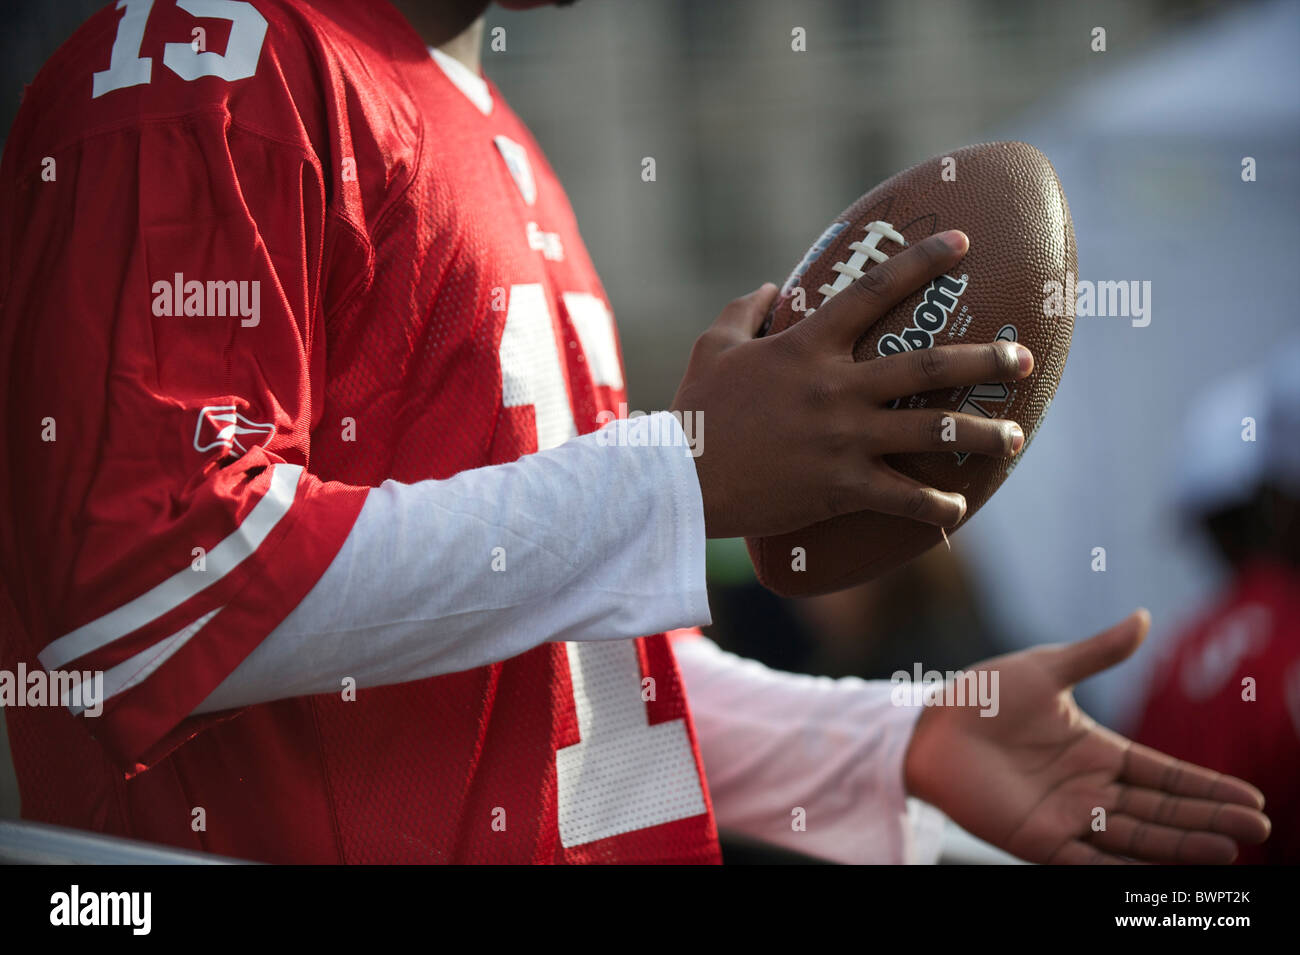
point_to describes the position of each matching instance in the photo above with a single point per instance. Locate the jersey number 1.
(623, 774)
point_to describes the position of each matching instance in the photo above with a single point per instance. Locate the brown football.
(1011, 285)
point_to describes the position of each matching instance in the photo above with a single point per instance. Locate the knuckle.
(937, 429)
(840, 499)
(821, 393)
(705, 345)
(738, 306)
(799, 338)
(995, 439)
(738, 312)
(873, 438)
(1005, 362)
(933, 252)
(992, 438)
(931, 363)
(839, 438)
(716, 338)
(874, 284)
(916, 504)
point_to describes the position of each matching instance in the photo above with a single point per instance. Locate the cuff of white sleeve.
(923, 824)
(924, 833)
(677, 465)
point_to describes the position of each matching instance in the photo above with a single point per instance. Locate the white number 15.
(127, 68)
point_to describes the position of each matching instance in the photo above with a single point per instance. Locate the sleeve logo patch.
(222, 426)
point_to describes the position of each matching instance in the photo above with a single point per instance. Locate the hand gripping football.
(1012, 285)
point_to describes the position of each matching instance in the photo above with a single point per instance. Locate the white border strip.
(184, 584)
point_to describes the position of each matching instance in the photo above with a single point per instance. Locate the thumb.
(1075, 662)
(743, 317)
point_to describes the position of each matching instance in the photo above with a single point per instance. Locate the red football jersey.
(257, 258)
(1226, 695)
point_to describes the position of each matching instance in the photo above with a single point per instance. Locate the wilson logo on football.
(928, 319)
(222, 426)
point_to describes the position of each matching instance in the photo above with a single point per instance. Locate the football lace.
(863, 251)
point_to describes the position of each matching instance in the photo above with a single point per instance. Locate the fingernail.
(1017, 439)
(955, 239)
(961, 502)
(1025, 358)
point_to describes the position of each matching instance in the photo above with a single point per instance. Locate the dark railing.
(33, 843)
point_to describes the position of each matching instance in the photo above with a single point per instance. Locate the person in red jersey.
(305, 367)
(1226, 690)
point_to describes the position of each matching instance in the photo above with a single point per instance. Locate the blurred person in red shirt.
(1226, 694)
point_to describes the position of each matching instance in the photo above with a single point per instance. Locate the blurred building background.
(756, 146)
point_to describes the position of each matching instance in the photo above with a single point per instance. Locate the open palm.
(1032, 779)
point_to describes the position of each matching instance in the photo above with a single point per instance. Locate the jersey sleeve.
(165, 276)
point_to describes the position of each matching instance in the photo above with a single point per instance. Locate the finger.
(1152, 842)
(1078, 661)
(847, 316)
(1151, 769)
(742, 317)
(1237, 822)
(889, 492)
(944, 366)
(1075, 852)
(907, 431)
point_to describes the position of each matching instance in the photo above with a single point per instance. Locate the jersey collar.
(467, 81)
